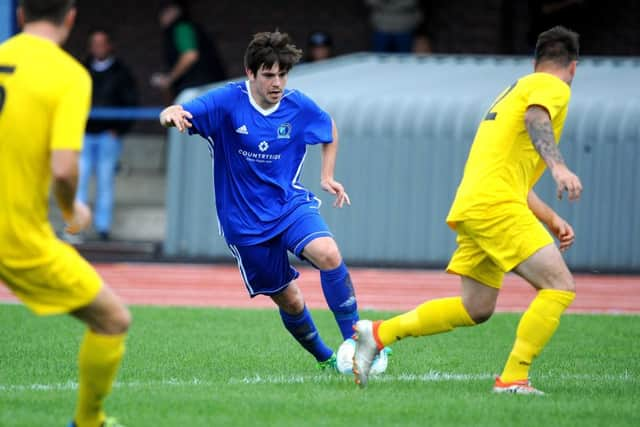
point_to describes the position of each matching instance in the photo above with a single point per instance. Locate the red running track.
(221, 286)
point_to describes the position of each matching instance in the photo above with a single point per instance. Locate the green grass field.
(222, 367)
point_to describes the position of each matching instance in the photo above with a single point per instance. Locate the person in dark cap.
(319, 46)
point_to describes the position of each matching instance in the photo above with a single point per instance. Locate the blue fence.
(125, 113)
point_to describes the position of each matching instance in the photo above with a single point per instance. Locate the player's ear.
(20, 16)
(250, 74)
(70, 18)
(572, 68)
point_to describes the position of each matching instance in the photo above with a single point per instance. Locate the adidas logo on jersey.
(242, 130)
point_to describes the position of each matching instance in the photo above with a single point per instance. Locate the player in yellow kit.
(44, 103)
(499, 220)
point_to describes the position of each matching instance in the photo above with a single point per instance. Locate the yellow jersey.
(45, 97)
(503, 164)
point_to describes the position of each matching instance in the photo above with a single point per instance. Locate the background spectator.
(422, 36)
(113, 86)
(190, 54)
(319, 46)
(393, 24)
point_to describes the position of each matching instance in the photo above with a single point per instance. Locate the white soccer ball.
(345, 354)
(380, 363)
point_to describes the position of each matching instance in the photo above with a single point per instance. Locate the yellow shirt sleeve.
(551, 93)
(70, 116)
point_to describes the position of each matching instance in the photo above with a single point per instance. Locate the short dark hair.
(559, 45)
(108, 31)
(46, 10)
(182, 5)
(267, 49)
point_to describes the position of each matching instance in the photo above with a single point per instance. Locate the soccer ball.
(344, 356)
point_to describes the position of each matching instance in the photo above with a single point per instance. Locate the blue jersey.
(257, 158)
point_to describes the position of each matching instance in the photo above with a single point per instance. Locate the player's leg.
(309, 238)
(429, 318)
(547, 272)
(518, 241)
(101, 351)
(108, 155)
(66, 283)
(481, 279)
(442, 314)
(265, 270)
(298, 321)
(336, 282)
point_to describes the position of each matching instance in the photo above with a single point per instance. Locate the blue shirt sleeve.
(319, 126)
(204, 111)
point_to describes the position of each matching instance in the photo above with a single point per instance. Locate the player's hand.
(80, 219)
(177, 116)
(563, 231)
(334, 187)
(567, 181)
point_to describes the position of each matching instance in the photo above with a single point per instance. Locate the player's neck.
(560, 72)
(46, 30)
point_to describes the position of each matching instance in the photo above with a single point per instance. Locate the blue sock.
(303, 329)
(338, 291)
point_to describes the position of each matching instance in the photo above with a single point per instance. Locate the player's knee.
(481, 316)
(480, 313)
(293, 307)
(290, 300)
(330, 258)
(118, 321)
(568, 284)
(560, 282)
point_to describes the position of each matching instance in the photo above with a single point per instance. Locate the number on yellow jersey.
(4, 69)
(491, 115)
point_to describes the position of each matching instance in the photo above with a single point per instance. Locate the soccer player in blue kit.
(258, 132)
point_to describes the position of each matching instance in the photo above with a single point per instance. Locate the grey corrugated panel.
(606, 218)
(406, 125)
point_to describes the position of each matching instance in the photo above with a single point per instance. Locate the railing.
(125, 113)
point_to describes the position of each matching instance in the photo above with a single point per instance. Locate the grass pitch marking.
(431, 376)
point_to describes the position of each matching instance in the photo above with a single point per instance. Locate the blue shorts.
(265, 267)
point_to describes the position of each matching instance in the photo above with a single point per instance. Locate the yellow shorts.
(490, 247)
(63, 284)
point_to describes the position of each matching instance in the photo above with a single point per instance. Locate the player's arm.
(64, 170)
(540, 130)
(329, 154)
(185, 61)
(175, 115)
(558, 226)
(67, 128)
(187, 44)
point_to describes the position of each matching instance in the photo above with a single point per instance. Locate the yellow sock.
(431, 317)
(98, 360)
(536, 327)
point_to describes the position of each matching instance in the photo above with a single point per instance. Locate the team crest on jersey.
(284, 131)
(263, 146)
